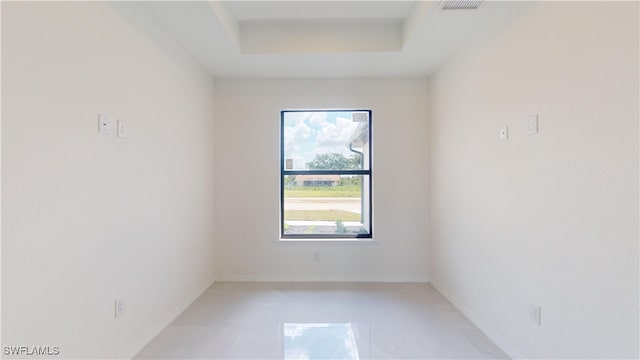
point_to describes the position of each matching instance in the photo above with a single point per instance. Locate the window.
(325, 176)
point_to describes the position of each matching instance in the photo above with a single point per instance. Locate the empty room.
(320, 179)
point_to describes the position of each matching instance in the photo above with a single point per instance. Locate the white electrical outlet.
(104, 124)
(504, 133)
(316, 256)
(118, 308)
(535, 314)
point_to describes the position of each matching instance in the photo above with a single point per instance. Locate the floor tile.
(322, 321)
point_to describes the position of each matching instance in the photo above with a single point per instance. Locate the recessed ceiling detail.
(320, 36)
(318, 10)
(328, 39)
(312, 27)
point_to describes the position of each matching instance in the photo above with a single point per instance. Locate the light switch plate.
(122, 129)
(532, 124)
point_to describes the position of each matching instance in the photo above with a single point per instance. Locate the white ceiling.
(285, 39)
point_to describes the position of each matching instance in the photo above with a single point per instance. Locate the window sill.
(329, 240)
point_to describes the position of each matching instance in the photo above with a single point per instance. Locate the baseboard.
(137, 346)
(320, 278)
(505, 346)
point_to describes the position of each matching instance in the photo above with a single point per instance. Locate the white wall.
(88, 218)
(248, 170)
(548, 219)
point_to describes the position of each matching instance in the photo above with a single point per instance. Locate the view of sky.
(309, 133)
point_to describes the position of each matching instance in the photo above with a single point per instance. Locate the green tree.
(334, 161)
(289, 180)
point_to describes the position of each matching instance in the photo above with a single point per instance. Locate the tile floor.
(321, 321)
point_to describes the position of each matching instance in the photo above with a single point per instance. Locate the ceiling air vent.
(459, 4)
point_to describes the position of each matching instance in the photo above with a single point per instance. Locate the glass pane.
(326, 140)
(326, 205)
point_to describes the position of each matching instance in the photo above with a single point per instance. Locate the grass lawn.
(323, 191)
(321, 215)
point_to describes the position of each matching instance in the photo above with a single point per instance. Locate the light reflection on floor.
(319, 341)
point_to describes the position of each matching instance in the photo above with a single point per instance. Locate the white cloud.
(309, 133)
(294, 139)
(334, 137)
(318, 119)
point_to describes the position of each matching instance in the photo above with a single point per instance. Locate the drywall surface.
(89, 218)
(549, 219)
(248, 181)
